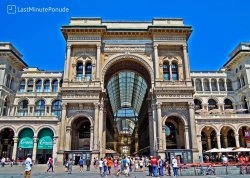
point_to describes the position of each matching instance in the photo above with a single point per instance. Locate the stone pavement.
(39, 171)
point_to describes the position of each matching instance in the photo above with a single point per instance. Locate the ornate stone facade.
(182, 113)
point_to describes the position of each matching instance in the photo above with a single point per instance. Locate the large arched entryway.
(127, 84)
(80, 139)
(6, 138)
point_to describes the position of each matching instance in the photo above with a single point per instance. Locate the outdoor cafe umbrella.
(241, 149)
(214, 150)
(241, 110)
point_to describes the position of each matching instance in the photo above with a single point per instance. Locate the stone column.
(210, 84)
(67, 62)
(14, 151)
(154, 117)
(91, 137)
(170, 71)
(159, 122)
(35, 139)
(236, 136)
(156, 60)
(194, 79)
(186, 62)
(1, 105)
(202, 84)
(151, 131)
(68, 138)
(199, 144)
(187, 137)
(54, 151)
(225, 84)
(101, 129)
(217, 83)
(218, 141)
(62, 128)
(192, 125)
(96, 121)
(164, 138)
(98, 54)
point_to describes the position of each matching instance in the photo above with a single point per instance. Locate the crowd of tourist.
(155, 166)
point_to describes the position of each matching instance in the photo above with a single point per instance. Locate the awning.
(26, 142)
(26, 139)
(45, 139)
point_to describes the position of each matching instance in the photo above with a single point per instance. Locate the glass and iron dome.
(126, 91)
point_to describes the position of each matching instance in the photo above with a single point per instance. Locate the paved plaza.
(39, 171)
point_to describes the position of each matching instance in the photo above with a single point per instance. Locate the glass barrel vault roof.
(126, 91)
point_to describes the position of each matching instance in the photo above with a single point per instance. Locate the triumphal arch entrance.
(127, 90)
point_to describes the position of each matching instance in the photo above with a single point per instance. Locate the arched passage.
(127, 82)
(25, 143)
(44, 145)
(6, 138)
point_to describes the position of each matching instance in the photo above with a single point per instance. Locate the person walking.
(3, 161)
(80, 162)
(70, 165)
(28, 166)
(88, 162)
(50, 165)
(175, 166)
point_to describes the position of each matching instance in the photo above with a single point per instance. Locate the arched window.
(174, 71)
(212, 104)
(206, 85)
(166, 72)
(79, 71)
(228, 104)
(198, 85)
(22, 86)
(40, 108)
(46, 86)
(56, 108)
(242, 80)
(221, 85)
(23, 108)
(229, 85)
(197, 104)
(55, 86)
(238, 83)
(30, 86)
(214, 85)
(39, 86)
(88, 71)
(7, 83)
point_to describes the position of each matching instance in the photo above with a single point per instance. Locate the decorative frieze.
(134, 49)
(84, 38)
(90, 52)
(170, 38)
(127, 41)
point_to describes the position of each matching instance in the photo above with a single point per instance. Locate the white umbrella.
(214, 150)
(242, 150)
(241, 110)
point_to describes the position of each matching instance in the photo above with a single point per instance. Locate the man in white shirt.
(175, 166)
(28, 164)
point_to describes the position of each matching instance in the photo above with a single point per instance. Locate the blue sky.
(218, 26)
